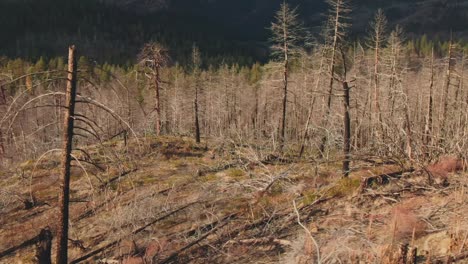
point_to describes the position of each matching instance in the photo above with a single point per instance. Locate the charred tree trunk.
(447, 88)
(428, 132)
(255, 112)
(44, 247)
(285, 101)
(64, 197)
(347, 130)
(197, 122)
(377, 111)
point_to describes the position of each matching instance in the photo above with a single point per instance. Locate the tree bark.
(285, 102)
(285, 81)
(428, 132)
(447, 88)
(64, 197)
(347, 130)
(197, 123)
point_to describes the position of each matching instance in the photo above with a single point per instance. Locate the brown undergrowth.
(173, 201)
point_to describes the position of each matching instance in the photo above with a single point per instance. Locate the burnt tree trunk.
(197, 122)
(64, 196)
(451, 61)
(428, 132)
(285, 102)
(347, 130)
(255, 113)
(44, 247)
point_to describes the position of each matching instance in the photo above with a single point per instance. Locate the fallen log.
(382, 179)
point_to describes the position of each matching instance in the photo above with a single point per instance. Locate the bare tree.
(64, 197)
(396, 49)
(337, 24)
(346, 119)
(154, 56)
(430, 107)
(196, 63)
(448, 83)
(377, 40)
(288, 38)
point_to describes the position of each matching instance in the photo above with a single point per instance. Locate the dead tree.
(64, 197)
(312, 103)
(347, 129)
(288, 37)
(196, 63)
(346, 119)
(153, 57)
(377, 39)
(338, 22)
(430, 107)
(448, 83)
(396, 48)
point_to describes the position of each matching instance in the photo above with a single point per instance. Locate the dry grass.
(349, 227)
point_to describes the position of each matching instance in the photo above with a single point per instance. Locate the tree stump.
(44, 247)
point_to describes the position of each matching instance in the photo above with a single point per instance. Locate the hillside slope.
(172, 201)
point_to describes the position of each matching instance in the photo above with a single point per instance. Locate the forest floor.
(173, 201)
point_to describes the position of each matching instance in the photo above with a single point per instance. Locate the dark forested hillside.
(228, 31)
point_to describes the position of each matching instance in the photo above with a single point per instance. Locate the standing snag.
(154, 57)
(64, 197)
(288, 38)
(196, 63)
(337, 25)
(376, 43)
